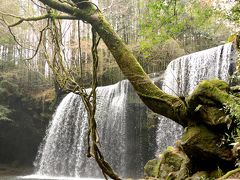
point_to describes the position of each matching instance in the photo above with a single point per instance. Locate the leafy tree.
(194, 24)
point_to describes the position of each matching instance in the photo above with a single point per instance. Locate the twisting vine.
(66, 80)
(93, 149)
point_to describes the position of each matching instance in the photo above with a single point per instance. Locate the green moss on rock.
(220, 84)
(173, 164)
(214, 116)
(203, 146)
(210, 101)
(151, 169)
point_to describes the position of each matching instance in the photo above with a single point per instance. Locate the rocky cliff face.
(23, 120)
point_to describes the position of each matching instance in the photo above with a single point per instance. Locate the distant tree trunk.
(80, 63)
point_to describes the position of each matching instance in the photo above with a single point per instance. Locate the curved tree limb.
(152, 96)
(230, 173)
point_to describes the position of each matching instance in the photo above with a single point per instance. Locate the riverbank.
(7, 170)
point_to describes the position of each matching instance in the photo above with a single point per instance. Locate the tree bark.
(158, 101)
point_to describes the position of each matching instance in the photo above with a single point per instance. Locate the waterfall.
(184, 73)
(127, 139)
(167, 133)
(63, 151)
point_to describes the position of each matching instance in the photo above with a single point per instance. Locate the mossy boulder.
(209, 92)
(198, 155)
(220, 84)
(211, 102)
(151, 169)
(204, 149)
(214, 116)
(172, 164)
(208, 175)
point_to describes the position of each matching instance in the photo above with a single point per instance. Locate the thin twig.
(38, 5)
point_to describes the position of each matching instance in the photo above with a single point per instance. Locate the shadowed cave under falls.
(130, 134)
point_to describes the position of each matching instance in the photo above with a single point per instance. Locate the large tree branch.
(152, 96)
(158, 101)
(81, 14)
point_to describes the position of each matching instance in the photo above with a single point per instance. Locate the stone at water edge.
(199, 143)
(203, 145)
(173, 164)
(151, 169)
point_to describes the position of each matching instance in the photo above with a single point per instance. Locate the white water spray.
(184, 73)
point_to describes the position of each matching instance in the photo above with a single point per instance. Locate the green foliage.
(184, 21)
(233, 136)
(4, 112)
(156, 58)
(9, 86)
(6, 66)
(161, 22)
(233, 111)
(235, 13)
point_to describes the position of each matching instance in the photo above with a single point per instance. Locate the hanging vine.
(66, 80)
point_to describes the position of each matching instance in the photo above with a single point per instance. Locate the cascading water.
(184, 73)
(63, 152)
(127, 140)
(164, 134)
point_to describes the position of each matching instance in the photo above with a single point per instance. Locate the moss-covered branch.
(152, 96)
(82, 14)
(230, 173)
(211, 100)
